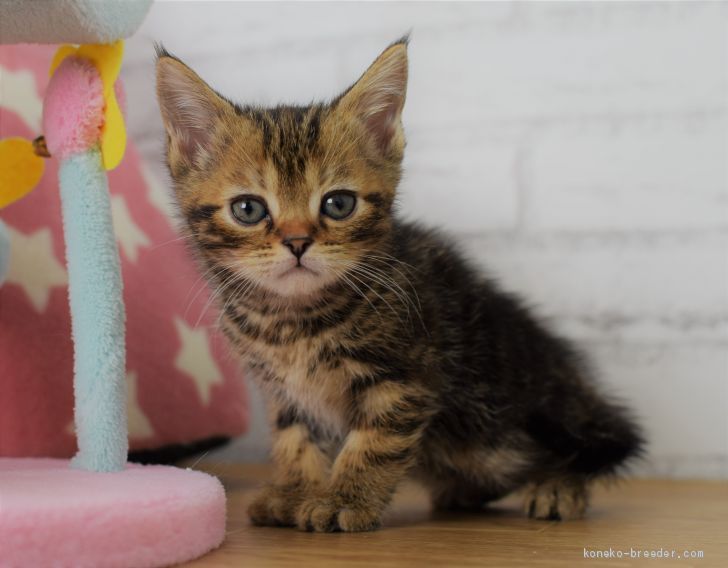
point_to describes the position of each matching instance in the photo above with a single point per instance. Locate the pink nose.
(298, 245)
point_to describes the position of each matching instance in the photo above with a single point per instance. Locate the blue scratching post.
(97, 314)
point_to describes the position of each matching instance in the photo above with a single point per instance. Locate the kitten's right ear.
(190, 110)
(377, 98)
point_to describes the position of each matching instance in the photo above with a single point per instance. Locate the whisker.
(226, 282)
(394, 282)
(175, 240)
(364, 283)
(240, 291)
(378, 275)
(218, 268)
(384, 281)
(354, 286)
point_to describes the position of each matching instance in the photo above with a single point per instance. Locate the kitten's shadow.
(411, 512)
(489, 511)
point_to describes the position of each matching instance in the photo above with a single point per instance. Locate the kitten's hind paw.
(556, 500)
(327, 515)
(274, 507)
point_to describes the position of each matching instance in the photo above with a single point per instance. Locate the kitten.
(382, 352)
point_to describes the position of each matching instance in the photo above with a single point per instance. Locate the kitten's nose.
(298, 245)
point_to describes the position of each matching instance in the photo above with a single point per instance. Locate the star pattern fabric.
(128, 234)
(139, 425)
(33, 266)
(158, 194)
(195, 359)
(19, 94)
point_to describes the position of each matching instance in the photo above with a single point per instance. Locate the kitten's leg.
(557, 499)
(376, 455)
(300, 469)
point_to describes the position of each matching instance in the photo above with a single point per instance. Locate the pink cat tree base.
(144, 516)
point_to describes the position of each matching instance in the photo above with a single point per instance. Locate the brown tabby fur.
(398, 357)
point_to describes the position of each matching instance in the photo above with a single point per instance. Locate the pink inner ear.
(194, 140)
(383, 123)
(378, 96)
(192, 121)
(188, 110)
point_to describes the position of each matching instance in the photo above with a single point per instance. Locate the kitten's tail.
(597, 442)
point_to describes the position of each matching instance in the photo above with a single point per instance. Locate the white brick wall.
(579, 151)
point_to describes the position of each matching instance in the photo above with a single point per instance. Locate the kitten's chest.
(294, 374)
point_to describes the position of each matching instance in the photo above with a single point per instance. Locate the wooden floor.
(652, 515)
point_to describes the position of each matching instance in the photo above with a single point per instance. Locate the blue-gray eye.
(249, 210)
(338, 204)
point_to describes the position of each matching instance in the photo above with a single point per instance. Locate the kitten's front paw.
(329, 515)
(275, 507)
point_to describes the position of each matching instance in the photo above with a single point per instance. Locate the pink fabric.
(185, 385)
(141, 517)
(73, 110)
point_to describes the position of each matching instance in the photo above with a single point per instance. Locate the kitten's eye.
(338, 204)
(249, 210)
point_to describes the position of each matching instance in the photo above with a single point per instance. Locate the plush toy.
(96, 510)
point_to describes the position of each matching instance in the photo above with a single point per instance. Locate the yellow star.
(34, 267)
(128, 233)
(19, 95)
(195, 359)
(139, 425)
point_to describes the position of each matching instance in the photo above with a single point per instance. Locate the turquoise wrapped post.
(97, 314)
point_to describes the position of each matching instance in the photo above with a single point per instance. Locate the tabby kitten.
(381, 350)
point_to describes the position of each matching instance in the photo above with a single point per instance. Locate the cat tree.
(96, 510)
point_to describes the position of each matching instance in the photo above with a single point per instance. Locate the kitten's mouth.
(298, 269)
(299, 280)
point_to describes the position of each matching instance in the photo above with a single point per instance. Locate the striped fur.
(381, 351)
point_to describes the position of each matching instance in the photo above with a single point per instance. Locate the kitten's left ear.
(191, 110)
(377, 98)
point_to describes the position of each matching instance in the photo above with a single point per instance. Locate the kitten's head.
(287, 198)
